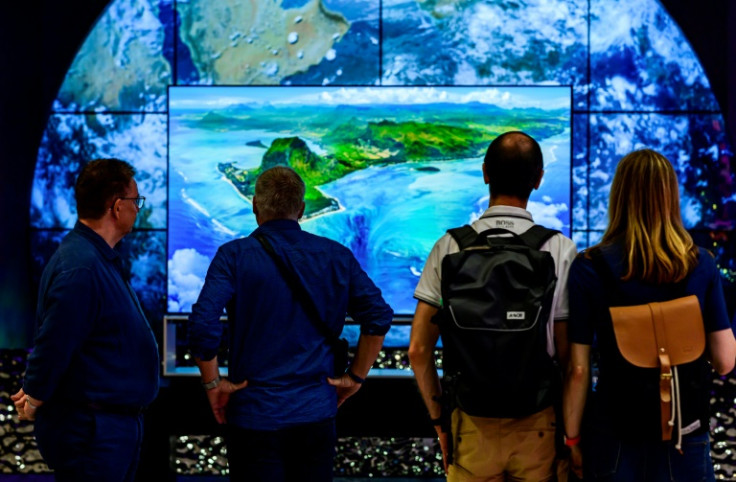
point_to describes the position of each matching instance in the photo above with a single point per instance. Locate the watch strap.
(212, 384)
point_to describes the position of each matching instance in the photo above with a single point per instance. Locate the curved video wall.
(593, 79)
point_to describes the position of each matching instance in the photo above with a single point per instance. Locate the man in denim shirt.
(95, 363)
(281, 405)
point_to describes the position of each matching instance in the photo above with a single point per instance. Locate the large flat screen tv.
(388, 169)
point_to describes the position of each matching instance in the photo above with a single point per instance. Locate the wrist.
(354, 377)
(212, 384)
(29, 404)
(572, 441)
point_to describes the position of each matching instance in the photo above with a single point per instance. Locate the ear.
(485, 175)
(301, 211)
(539, 181)
(115, 209)
(255, 206)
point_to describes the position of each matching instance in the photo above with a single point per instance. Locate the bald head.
(513, 165)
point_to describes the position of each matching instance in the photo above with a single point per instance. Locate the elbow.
(722, 351)
(723, 367)
(577, 373)
(419, 354)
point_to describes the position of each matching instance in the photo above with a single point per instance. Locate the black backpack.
(496, 300)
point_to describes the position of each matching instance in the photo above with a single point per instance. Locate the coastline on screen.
(388, 169)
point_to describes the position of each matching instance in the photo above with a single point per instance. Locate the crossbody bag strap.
(300, 292)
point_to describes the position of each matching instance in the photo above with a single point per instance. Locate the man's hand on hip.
(346, 387)
(219, 396)
(25, 405)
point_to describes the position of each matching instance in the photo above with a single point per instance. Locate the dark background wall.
(39, 39)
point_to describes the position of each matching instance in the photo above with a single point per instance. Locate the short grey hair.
(280, 193)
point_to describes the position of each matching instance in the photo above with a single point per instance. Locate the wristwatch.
(28, 402)
(212, 384)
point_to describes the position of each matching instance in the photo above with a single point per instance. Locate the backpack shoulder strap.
(464, 236)
(537, 235)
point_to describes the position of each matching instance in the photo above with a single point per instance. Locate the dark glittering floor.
(199, 478)
(389, 459)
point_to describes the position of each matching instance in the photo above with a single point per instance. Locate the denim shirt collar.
(96, 240)
(280, 225)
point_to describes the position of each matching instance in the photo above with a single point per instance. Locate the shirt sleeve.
(68, 310)
(429, 288)
(581, 284)
(205, 328)
(366, 304)
(565, 257)
(716, 314)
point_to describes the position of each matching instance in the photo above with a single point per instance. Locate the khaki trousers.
(503, 449)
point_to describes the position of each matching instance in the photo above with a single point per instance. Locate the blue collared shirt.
(93, 342)
(272, 342)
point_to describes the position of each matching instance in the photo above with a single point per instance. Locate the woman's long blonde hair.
(644, 215)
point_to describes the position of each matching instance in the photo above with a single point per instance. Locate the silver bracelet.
(28, 402)
(212, 384)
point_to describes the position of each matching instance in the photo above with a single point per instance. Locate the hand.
(220, 396)
(24, 409)
(444, 439)
(576, 461)
(346, 387)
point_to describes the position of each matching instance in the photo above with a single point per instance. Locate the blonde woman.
(647, 257)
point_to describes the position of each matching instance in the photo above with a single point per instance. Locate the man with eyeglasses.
(94, 367)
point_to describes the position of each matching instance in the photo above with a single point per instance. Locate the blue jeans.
(300, 453)
(607, 459)
(85, 445)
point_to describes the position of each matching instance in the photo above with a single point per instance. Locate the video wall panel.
(126, 62)
(271, 43)
(72, 139)
(580, 174)
(480, 43)
(694, 143)
(388, 169)
(640, 61)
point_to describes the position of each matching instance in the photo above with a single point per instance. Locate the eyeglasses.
(139, 200)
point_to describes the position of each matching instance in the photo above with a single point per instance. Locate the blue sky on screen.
(507, 97)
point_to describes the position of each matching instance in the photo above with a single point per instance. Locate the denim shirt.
(272, 342)
(93, 342)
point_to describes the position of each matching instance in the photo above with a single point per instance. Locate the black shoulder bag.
(339, 345)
